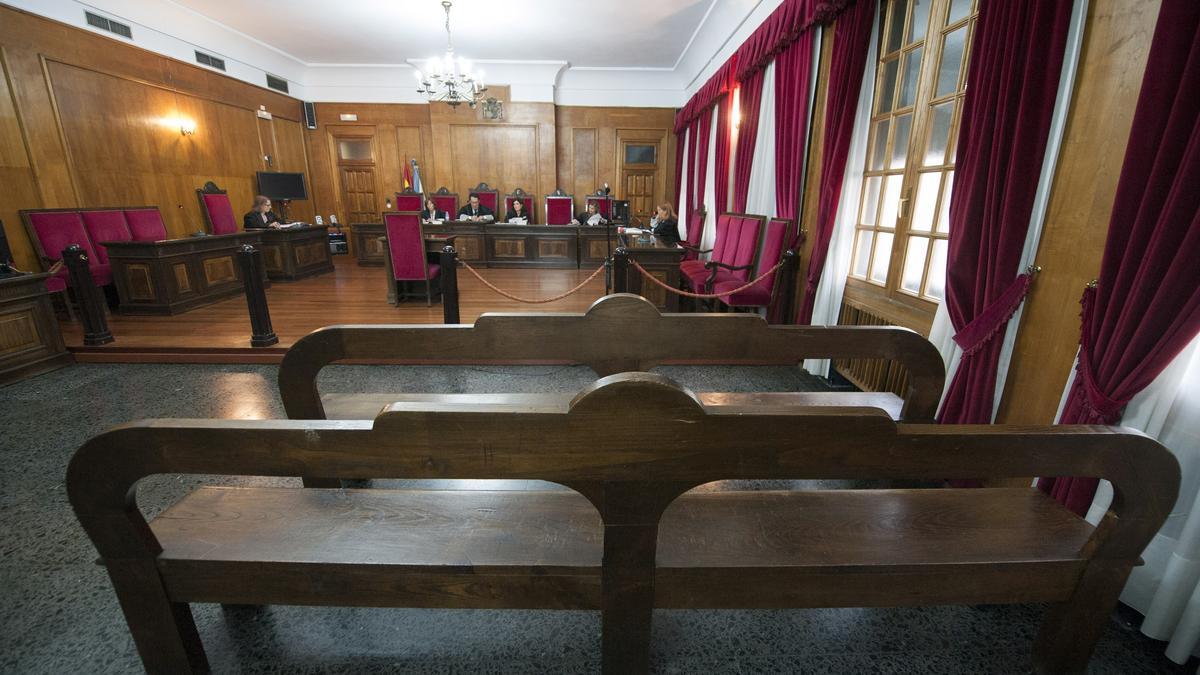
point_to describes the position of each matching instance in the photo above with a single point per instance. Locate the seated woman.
(261, 216)
(589, 216)
(665, 225)
(517, 213)
(433, 213)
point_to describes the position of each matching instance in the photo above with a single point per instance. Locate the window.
(355, 150)
(899, 251)
(640, 154)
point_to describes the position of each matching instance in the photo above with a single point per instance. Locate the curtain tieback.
(995, 316)
(1099, 404)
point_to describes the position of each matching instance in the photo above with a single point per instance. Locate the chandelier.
(450, 79)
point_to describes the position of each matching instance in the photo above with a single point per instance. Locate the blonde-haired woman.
(665, 225)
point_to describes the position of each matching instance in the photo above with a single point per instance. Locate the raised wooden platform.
(220, 333)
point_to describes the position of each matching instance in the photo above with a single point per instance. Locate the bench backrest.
(629, 471)
(618, 333)
(52, 230)
(105, 226)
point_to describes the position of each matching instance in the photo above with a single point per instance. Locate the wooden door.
(641, 179)
(358, 194)
(639, 190)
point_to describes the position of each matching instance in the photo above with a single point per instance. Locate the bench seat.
(367, 406)
(541, 549)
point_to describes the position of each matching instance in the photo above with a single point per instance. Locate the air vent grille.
(210, 60)
(277, 83)
(109, 25)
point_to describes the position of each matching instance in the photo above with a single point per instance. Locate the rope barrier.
(529, 301)
(707, 296)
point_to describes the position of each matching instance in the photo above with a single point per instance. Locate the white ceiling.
(584, 33)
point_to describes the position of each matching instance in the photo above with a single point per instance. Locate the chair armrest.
(694, 248)
(714, 264)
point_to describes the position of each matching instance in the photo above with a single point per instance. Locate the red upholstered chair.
(105, 226)
(732, 257)
(488, 197)
(560, 208)
(406, 247)
(526, 198)
(145, 224)
(409, 200)
(603, 203)
(52, 231)
(217, 210)
(695, 225)
(774, 244)
(445, 200)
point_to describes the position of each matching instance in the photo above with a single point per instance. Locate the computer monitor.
(280, 185)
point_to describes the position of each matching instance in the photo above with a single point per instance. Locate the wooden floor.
(220, 333)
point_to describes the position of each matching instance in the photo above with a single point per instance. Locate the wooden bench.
(627, 539)
(619, 333)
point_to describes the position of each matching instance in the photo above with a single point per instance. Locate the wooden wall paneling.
(409, 146)
(16, 174)
(290, 156)
(583, 168)
(812, 183)
(266, 145)
(1116, 44)
(582, 163)
(34, 104)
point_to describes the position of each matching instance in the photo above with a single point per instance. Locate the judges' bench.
(628, 536)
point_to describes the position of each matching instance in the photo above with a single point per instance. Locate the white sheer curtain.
(760, 198)
(942, 332)
(709, 237)
(1167, 588)
(683, 186)
(828, 302)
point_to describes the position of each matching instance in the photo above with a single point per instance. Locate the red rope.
(529, 301)
(707, 296)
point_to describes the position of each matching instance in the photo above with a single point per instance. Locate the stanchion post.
(91, 305)
(620, 270)
(449, 276)
(250, 261)
(791, 266)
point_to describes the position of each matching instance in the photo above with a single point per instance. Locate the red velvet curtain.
(680, 140)
(1013, 82)
(1145, 307)
(694, 136)
(723, 150)
(850, 44)
(749, 102)
(700, 168)
(793, 74)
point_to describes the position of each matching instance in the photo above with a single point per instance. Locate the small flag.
(407, 178)
(416, 176)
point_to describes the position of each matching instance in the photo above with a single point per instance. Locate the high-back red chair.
(695, 228)
(489, 197)
(406, 248)
(775, 242)
(52, 231)
(145, 224)
(217, 210)
(603, 203)
(526, 198)
(560, 208)
(731, 257)
(444, 200)
(410, 200)
(105, 225)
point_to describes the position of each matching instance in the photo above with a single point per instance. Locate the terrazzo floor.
(58, 613)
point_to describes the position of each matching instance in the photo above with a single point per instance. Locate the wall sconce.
(187, 127)
(388, 203)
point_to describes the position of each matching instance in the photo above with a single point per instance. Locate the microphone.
(606, 190)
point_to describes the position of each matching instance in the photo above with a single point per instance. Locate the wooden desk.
(469, 240)
(532, 245)
(594, 244)
(175, 275)
(30, 342)
(434, 243)
(296, 253)
(662, 262)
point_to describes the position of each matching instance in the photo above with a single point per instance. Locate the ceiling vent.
(109, 25)
(210, 61)
(277, 83)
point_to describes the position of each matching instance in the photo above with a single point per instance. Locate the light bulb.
(418, 75)
(464, 66)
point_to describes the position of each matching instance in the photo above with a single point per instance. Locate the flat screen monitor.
(281, 185)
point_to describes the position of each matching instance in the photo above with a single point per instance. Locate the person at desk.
(589, 216)
(433, 213)
(517, 213)
(664, 224)
(475, 211)
(261, 216)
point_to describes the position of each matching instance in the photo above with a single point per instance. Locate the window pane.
(870, 203)
(354, 150)
(926, 202)
(880, 146)
(900, 143)
(935, 285)
(896, 27)
(891, 201)
(919, 21)
(952, 53)
(640, 154)
(914, 263)
(882, 257)
(958, 10)
(912, 73)
(939, 134)
(944, 219)
(884, 104)
(862, 253)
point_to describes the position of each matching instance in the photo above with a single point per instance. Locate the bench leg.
(1071, 628)
(628, 603)
(163, 631)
